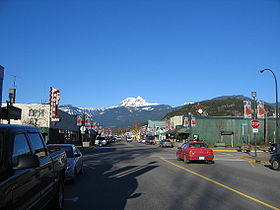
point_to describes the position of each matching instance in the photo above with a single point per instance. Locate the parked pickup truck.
(30, 177)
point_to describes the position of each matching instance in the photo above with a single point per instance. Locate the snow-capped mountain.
(129, 111)
(135, 102)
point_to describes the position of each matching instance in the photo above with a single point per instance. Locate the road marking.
(255, 161)
(75, 199)
(251, 164)
(220, 184)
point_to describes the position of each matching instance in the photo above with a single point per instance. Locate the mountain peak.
(135, 102)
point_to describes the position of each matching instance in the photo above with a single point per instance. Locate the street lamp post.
(276, 112)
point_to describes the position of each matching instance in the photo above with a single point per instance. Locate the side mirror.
(27, 161)
(179, 148)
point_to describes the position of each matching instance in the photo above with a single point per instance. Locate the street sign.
(255, 130)
(255, 123)
(83, 129)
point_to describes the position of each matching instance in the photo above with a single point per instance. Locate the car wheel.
(186, 160)
(275, 164)
(57, 201)
(179, 159)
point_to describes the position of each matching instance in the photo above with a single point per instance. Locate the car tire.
(57, 201)
(179, 159)
(275, 164)
(74, 176)
(186, 160)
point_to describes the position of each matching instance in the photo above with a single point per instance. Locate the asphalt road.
(135, 176)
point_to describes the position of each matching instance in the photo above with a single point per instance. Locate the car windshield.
(198, 145)
(100, 138)
(67, 149)
(166, 140)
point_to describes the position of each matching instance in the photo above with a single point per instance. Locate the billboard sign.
(54, 102)
(261, 110)
(186, 122)
(247, 109)
(193, 122)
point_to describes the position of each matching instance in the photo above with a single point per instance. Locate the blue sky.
(99, 52)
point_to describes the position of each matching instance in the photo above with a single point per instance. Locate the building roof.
(154, 123)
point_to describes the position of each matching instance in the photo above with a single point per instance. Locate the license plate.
(201, 158)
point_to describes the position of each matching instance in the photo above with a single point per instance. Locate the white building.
(39, 115)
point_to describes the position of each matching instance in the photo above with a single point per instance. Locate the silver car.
(74, 159)
(100, 141)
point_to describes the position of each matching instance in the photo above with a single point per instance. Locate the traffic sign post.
(255, 124)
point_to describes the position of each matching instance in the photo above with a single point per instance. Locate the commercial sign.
(54, 102)
(247, 110)
(79, 121)
(57, 119)
(261, 110)
(193, 122)
(186, 122)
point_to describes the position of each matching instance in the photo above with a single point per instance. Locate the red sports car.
(198, 151)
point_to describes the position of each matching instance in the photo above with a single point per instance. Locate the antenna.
(14, 82)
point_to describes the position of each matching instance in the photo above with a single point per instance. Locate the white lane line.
(75, 199)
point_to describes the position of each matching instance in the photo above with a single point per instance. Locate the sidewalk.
(262, 158)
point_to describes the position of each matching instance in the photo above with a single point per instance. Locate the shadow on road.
(104, 188)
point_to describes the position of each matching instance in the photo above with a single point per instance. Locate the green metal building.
(234, 131)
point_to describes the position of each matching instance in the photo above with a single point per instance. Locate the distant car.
(129, 139)
(143, 141)
(150, 140)
(118, 138)
(275, 161)
(100, 141)
(195, 151)
(74, 159)
(165, 143)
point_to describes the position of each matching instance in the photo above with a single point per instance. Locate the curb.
(244, 151)
(255, 161)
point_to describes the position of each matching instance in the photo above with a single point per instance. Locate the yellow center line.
(220, 184)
